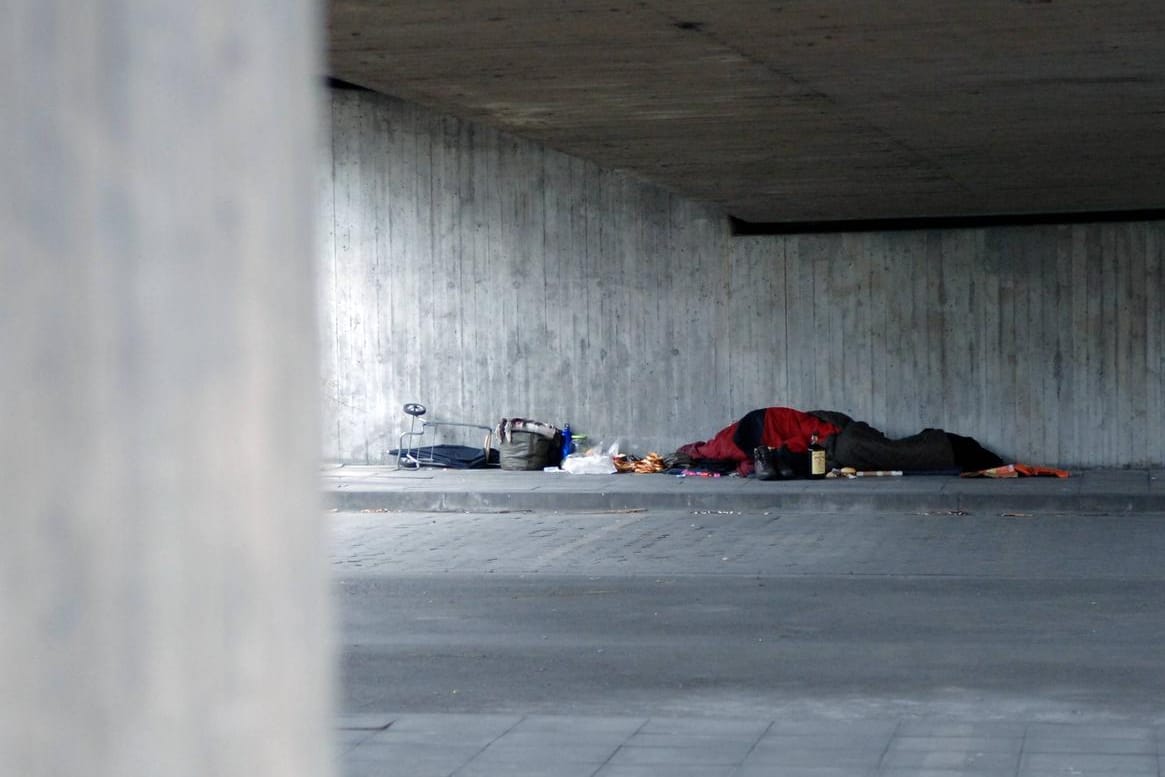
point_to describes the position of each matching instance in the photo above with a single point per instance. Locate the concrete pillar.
(162, 579)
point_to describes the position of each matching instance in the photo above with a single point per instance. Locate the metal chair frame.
(411, 456)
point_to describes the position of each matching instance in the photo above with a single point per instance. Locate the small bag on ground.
(527, 451)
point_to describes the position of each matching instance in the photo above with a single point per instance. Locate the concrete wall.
(486, 276)
(163, 600)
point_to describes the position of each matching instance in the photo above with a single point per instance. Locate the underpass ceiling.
(810, 111)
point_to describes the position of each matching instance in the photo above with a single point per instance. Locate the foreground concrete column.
(162, 589)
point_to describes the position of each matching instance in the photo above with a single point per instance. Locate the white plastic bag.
(588, 464)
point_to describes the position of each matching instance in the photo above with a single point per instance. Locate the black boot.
(789, 466)
(762, 460)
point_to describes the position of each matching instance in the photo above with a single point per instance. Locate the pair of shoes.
(773, 463)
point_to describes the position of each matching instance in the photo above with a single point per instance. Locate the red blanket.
(782, 426)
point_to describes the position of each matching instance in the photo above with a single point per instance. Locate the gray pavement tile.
(781, 755)
(913, 772)
(380, 769)
(546, 753)
(505, 769)
(1011, 745)
(611, 739)
(706, 727)
(841, 729)
(713, 752)
(1039, 731)
(584, 735)
(774, 770)
(857, 742)
(665, 770)
(691, 740)
(927, 727)
(1088, 764)
(1094, 745)
(401, 767)
(450, 751)
(958, 760)
(580, 725)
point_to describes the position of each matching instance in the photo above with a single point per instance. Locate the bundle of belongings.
(528, 445)
(780, 437)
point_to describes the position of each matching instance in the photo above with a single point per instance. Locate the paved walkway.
(713, 529)
(454, 745)
(372, 488)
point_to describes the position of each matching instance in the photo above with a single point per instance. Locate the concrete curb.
(833, 501)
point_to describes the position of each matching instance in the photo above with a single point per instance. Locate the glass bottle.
(816, 458)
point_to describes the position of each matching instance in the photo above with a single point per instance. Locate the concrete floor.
(639, 641)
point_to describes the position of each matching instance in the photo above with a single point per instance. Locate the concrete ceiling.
(803, 110)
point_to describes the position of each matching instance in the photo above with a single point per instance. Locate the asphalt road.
(1037, 617)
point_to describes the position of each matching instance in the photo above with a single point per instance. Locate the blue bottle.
(567, 443)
